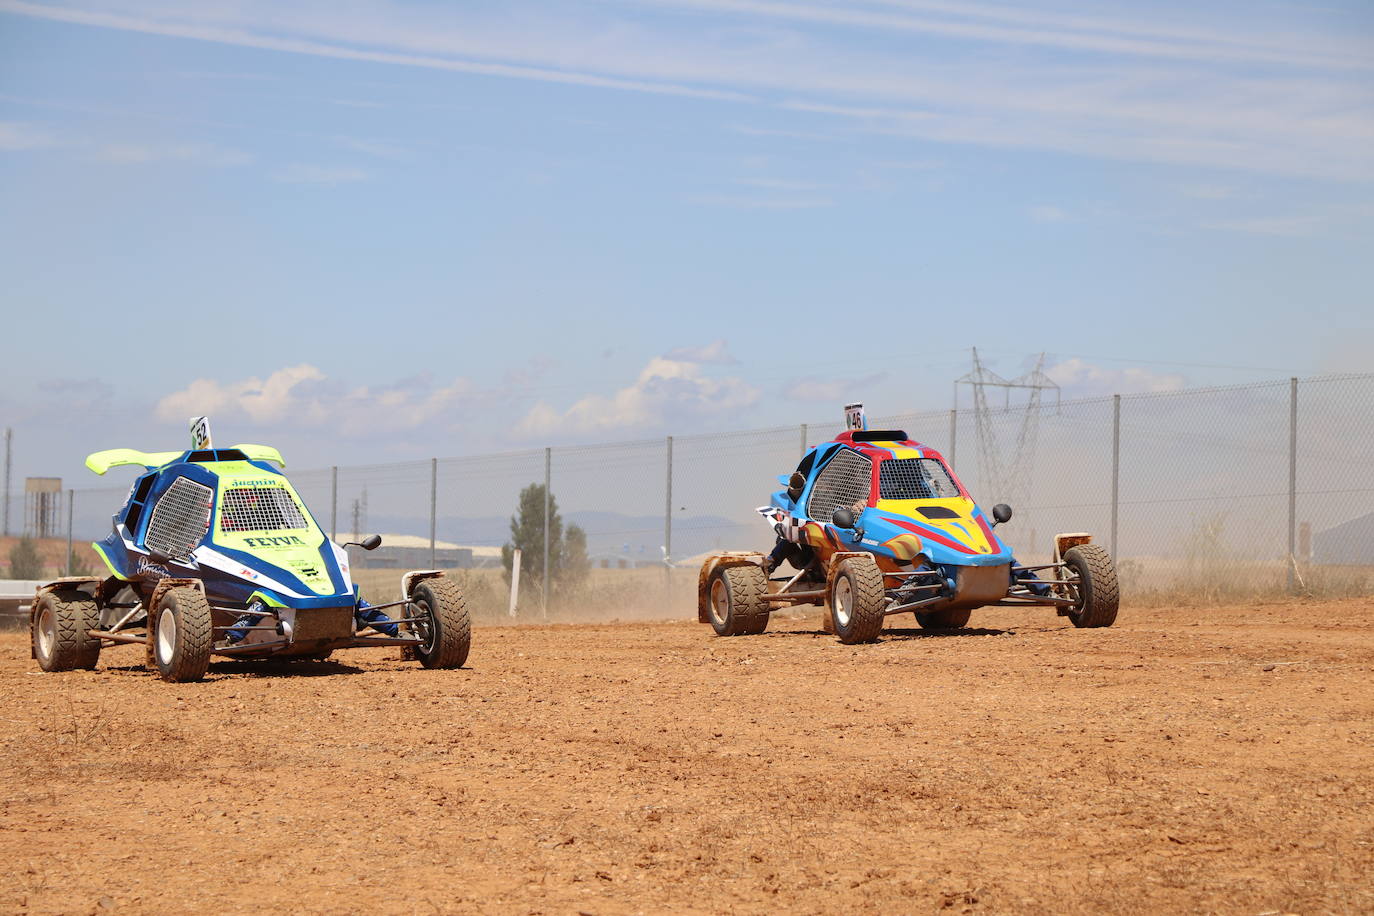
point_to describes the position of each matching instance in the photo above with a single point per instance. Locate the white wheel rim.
(720, 601)
(844, 600)
(47, 632)
(166, 636)
(431, 627)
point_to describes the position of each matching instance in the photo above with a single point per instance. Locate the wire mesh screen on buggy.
(914, 478)
(180, 519)
(259, 509)
(841, 483)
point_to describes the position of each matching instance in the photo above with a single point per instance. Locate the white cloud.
(195, 153)
(1079, 378)
(1259, 97)
(16, 136)
(318, 174)
(262, 401)
(1112, 36)
(717, 351)
(302, 396)
(666, 391)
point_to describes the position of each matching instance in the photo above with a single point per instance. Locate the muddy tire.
(180, 634)
(1098, 594)
(60, 621)
(857, 600)
(447, 630)
(735, 600)
(943, 620)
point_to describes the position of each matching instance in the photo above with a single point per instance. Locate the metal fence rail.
(1258, 486)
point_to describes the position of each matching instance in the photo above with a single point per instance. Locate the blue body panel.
(239, 574)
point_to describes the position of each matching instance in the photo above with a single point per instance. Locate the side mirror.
(371, 542)
(1001, 513)
(842, 518)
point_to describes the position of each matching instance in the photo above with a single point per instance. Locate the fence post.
(1292, 481)
(334, 503)
(433, 507)
(668, 526)
(953, 435)
(548, 500)
(1116, 467)
(72, 501)
(9, 434)
(803, 440)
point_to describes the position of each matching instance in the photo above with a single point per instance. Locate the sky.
(379, 231)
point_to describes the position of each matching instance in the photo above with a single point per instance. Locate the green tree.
(25, 563)
(574, 555)
(568, 561)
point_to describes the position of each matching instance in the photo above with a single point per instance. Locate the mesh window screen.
(842, 482)
(259, 509)
(914, 478)
(180, 519)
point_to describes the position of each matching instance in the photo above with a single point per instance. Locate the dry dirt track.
(1188, 760)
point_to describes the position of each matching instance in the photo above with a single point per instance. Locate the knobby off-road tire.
(943, 620)
(857, 601)
(180, 634)
(447, 633)
(1098, 594)
(60, 624)
(736, 602)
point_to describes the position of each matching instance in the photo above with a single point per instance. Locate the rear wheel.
(445, 630)
(737, 607)
(857, 600)
(943, 620)
(1096, 591)
(179, 632)
(60, 624)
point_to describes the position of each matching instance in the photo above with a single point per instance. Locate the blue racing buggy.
(214, 553)
(875, 525)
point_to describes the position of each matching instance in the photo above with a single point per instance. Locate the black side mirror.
(1001, 513)
(842, 518)
(371, 542)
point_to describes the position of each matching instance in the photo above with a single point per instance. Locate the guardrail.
(15, 597)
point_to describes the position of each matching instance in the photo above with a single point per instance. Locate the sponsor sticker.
(147, 567)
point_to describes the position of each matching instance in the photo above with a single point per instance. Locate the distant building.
(408, 551)
(1348, 544)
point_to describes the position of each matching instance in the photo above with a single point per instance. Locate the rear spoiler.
(100, 462)
(261, 453)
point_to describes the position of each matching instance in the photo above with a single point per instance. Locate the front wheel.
(61, 623)
(180, 632)
(857, 600)
(1096, 592)
(446, 630)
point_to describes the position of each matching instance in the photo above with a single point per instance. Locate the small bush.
(25, 563)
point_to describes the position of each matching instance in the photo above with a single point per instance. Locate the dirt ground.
(1187, 760)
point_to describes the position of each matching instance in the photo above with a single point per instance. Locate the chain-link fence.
(1204, 494)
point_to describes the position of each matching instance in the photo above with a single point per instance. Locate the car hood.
(952, 530)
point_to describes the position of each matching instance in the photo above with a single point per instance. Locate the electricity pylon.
(1005, 475)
